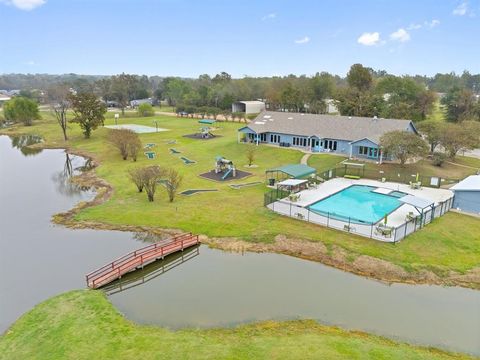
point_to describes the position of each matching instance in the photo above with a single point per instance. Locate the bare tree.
(134, 147)
(60, 110)
(137, 175)
(173, 181)
(152, 175)
(126, 141)
(251, 152)
(58, 95)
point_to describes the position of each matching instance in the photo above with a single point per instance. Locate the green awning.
(296, 171)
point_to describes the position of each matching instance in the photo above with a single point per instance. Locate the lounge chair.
(410, 216)
(415, 185)
(149, 146)
(383, 230)
(299, 216)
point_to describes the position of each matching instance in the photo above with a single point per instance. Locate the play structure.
(205, 133)
(224, 170)
(225, 167)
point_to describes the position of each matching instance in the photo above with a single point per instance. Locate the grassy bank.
(448, 244)
(83, 325)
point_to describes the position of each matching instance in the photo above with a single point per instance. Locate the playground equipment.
(205, 133)
(225, 167)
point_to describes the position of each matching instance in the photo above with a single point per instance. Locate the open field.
(82, 324)
(448, 244)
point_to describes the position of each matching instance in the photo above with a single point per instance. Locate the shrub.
(145, 109)
(126, 141)
(438, 158)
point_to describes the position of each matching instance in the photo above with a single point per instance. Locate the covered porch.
(365, 149)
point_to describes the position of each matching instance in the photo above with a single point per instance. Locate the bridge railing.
(138, 257)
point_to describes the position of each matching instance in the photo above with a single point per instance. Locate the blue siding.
(468, 201)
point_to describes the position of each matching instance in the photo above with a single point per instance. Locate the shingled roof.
(326, 126)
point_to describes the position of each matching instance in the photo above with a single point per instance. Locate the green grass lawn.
(449, 243)
(455, 169)
(82, 324)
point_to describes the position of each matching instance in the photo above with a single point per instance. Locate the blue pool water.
(357, 202)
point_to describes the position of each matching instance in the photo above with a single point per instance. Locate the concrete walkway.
(305, 158)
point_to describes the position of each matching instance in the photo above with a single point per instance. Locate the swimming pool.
(357, 202)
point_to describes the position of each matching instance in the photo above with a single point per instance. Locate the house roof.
(349, 128)
(295, 170)
(251, 102)
(470, 183)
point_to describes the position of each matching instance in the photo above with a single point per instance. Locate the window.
(363, 150)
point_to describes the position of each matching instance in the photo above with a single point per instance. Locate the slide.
(229, 171)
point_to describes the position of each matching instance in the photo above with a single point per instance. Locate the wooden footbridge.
(139, 258)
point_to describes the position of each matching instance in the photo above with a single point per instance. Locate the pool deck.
(396, 218)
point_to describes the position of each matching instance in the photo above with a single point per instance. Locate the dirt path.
(461, 165)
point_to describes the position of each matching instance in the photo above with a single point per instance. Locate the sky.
(244, 37)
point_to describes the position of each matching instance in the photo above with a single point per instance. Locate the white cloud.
(401, 35)
(303, 40)
(461, 9)
(414, 27)
(269, 16)
(24, 4)
(369, 39)
(30, 63)
(433, 23)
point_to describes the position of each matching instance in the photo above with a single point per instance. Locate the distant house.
(135, 103)
(248, 107)
(467, 194)
(356, 137)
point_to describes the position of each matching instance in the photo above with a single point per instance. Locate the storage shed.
(248, 107)
(467, 194)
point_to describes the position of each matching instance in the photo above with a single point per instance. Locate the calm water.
(201, 287)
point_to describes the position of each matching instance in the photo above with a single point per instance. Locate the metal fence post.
(328, 218)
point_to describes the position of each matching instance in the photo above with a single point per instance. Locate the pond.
(201, 287)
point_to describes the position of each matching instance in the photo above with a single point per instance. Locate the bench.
(355, 177)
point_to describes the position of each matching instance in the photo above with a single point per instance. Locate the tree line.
(362, 92)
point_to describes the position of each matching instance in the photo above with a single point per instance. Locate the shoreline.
(337, 257)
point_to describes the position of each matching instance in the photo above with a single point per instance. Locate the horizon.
(273, 38)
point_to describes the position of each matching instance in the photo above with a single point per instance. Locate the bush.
(21, 109)
(145, 109)
(438, 158)
(126, 141)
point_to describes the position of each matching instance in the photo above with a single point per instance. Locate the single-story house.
(356, 137)
(467, 194)
(248, 107)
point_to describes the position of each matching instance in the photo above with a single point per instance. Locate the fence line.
(405, 178)
(352, 225)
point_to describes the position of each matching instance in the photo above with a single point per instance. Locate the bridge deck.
(139, 258)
